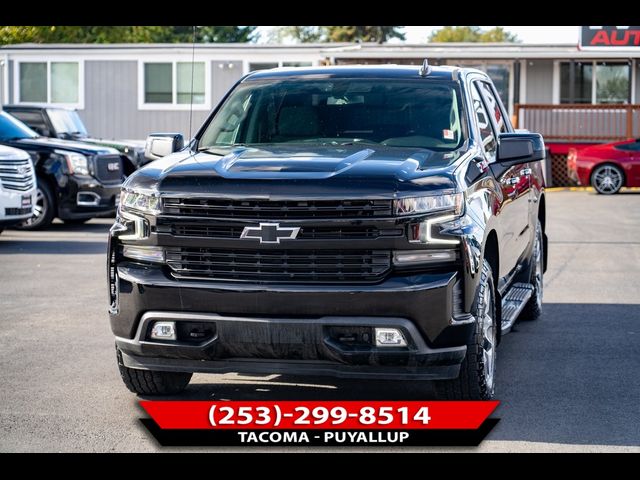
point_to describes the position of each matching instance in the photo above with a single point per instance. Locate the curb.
(585, 189)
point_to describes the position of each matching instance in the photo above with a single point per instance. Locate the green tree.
(472, 34)
(498, 34)
(380, 34)
(305, 34)
(208, 34)
(123, 34)
(298, 34)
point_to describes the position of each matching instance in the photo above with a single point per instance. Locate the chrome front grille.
(17, 175)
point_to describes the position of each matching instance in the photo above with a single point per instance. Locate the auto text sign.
(603, 37)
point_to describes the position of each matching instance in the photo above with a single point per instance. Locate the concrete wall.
(111, 101)
(539, 81)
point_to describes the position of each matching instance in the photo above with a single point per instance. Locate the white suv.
(17, 187)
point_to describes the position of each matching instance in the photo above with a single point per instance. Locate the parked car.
(17, 187)
(66, 124)
(75, 181)
(607, 167)
(359, 222)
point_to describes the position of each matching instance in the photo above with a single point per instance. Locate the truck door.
(514, 182)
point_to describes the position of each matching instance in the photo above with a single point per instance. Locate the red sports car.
(607, 167)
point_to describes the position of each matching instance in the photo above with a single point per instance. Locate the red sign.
(335, 415)
(596, 37)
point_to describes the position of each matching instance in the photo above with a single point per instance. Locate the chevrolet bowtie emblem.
(270, 233)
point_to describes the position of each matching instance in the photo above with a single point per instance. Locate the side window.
(34, 120)
(493, 106)
(487, 134)
(633, 147)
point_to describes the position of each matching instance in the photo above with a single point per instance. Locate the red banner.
(334, 415)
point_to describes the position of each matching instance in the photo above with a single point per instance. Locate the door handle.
(510, 180)
(525, 171)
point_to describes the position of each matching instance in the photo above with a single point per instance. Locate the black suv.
(361, 222)
(66, 124)
(76, 181)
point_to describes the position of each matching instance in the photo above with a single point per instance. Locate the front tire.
(533, 308)
(151, 382)
(476, 380)
(607, 179)
(44, 210)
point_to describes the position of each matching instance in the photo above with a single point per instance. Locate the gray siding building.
(131, 90)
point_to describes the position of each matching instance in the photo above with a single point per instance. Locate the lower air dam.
(326, 437)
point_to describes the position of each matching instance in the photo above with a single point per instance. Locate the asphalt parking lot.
(566, 382)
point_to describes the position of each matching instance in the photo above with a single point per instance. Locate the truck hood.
(295, 170)
(68, 145)
(136, 145)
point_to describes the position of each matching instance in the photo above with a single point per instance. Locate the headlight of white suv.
(449, 202)
(140, 201)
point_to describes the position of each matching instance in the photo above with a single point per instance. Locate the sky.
(527, 34)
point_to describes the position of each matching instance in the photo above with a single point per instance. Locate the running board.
(513, 303)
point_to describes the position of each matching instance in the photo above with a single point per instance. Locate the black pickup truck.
(66, 124)
(359, 222)
(75, 181)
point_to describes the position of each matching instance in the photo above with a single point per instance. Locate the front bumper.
(283, 328)
(13, 210)
(293, 346)
(86, 197)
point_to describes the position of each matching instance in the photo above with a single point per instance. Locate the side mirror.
(517, 148)
(162, 144)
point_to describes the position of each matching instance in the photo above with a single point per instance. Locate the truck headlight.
(450, 202)
(76, 162)
(145, 202)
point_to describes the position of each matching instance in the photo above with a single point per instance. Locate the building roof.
(345, 50)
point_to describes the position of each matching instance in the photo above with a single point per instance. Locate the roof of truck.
(362, 71)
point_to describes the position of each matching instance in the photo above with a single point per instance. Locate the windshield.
(11, 128)
(67, 121)
(397, 113)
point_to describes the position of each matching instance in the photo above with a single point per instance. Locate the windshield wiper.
(358, 141)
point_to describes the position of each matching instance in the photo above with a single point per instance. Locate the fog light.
(390, 337)
(164, 331)
(412, 257)
(147, 254)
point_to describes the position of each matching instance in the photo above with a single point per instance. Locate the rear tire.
(45, 208)
(477, 371)
(151, 382)
(607, 179)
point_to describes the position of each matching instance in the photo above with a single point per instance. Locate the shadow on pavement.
(570, 377)
(54, 247)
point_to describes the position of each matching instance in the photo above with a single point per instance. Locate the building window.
(594, 82)
(170, 85)
(158, 83)
(612, 83)
(49, 82)
(296, 64)
(262, 66)
(184, 84)
(254, 66)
